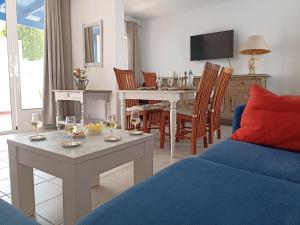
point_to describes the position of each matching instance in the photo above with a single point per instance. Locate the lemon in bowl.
(95, 128)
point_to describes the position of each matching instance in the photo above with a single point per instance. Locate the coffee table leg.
(143, 167)
(76, 192)
(22, 187)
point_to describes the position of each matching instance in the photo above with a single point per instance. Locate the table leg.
(57, 114)
(76, 192)
(82, 107)
(143, 167)
(123, 111)
(22, 186)
(172, 127)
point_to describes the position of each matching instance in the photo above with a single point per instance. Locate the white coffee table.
(75, 166)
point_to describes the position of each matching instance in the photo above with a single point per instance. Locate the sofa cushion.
(270, 120)
(256, 158)
(199, 191)
(9, 215)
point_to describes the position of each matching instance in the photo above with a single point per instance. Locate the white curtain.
(133, 50)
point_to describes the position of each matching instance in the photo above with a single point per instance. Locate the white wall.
(112, 14)
(165, 40)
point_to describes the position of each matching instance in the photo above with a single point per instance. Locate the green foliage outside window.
(32, 42)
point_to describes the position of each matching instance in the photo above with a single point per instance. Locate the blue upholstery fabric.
(256, 158)
(12, 216)
(234, 183)
(199, 191)
(237, 115)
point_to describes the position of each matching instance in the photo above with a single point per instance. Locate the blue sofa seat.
(234, 183)
(9, 215)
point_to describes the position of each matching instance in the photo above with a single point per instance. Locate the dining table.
(173, 96)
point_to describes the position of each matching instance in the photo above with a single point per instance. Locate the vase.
(81, 84)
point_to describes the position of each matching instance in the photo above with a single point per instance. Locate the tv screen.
(212, 46)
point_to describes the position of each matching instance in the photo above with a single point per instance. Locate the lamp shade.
(255, 45)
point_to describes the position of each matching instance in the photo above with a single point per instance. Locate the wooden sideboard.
(237, 92)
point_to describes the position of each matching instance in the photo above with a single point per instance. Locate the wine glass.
(36, 122)
(135, 119)
(158, 82)
(179, 82)
(111, 123)
(71, 126)
(170, 81)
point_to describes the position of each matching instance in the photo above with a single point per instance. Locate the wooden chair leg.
(219, 136)
(194, 137)
(145, 124)
(205, 144)
(178, 130)
(162, 131)
(210, 136)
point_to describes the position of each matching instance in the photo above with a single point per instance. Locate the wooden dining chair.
(197, 116)
(154, 118)
(214, 114)
(126, 81)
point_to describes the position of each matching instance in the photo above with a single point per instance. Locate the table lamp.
(255, 45)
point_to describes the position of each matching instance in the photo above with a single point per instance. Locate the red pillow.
(270, 120)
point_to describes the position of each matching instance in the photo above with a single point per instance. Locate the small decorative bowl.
(94, 128)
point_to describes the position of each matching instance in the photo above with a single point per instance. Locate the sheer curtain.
(58, 57)
(133, 50)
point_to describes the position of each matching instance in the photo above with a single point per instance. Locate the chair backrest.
(203, 94)
(126, 81)
(219, 93)
(150, 81)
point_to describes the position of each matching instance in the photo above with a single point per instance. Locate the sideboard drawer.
(242, 82)
(68, 96)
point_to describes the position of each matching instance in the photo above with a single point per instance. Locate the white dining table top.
(91, 146)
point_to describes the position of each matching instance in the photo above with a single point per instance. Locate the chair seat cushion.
(9, 215)
(199, 191)
(147, 107)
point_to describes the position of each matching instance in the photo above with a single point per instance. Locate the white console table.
(80, 96)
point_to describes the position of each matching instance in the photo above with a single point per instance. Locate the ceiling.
(153, 8)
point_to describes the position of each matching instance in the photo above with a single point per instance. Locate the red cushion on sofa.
(270, 120)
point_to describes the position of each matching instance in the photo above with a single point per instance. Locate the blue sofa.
(234, 183)
(9, 215)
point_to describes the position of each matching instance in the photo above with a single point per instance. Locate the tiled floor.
(48, 189)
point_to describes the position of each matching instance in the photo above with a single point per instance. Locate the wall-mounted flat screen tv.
(217, 45)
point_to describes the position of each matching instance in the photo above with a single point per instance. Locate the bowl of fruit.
(95, 128)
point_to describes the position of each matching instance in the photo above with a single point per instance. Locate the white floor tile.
(5, 186)
(44, 175)
(4, 173)
(46, 191)
(52, 210)
(3, 164)
(6, 198)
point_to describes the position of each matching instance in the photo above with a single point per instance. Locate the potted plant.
(80, 78)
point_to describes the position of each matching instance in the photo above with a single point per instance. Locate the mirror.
(93, 41)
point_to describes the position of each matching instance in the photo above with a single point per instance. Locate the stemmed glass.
(71, 126)
(36, 122)
(135, 119)
(158, 81)
(170, 81)
(111, 123)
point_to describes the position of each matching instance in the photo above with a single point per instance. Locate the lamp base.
(252, 65)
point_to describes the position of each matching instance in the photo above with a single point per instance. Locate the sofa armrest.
(237, 115)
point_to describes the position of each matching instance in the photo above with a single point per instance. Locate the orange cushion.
(270, 120)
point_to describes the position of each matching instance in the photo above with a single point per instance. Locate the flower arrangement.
(80, 78)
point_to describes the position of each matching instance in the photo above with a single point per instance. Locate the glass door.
(25, 36)
(5, 103)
